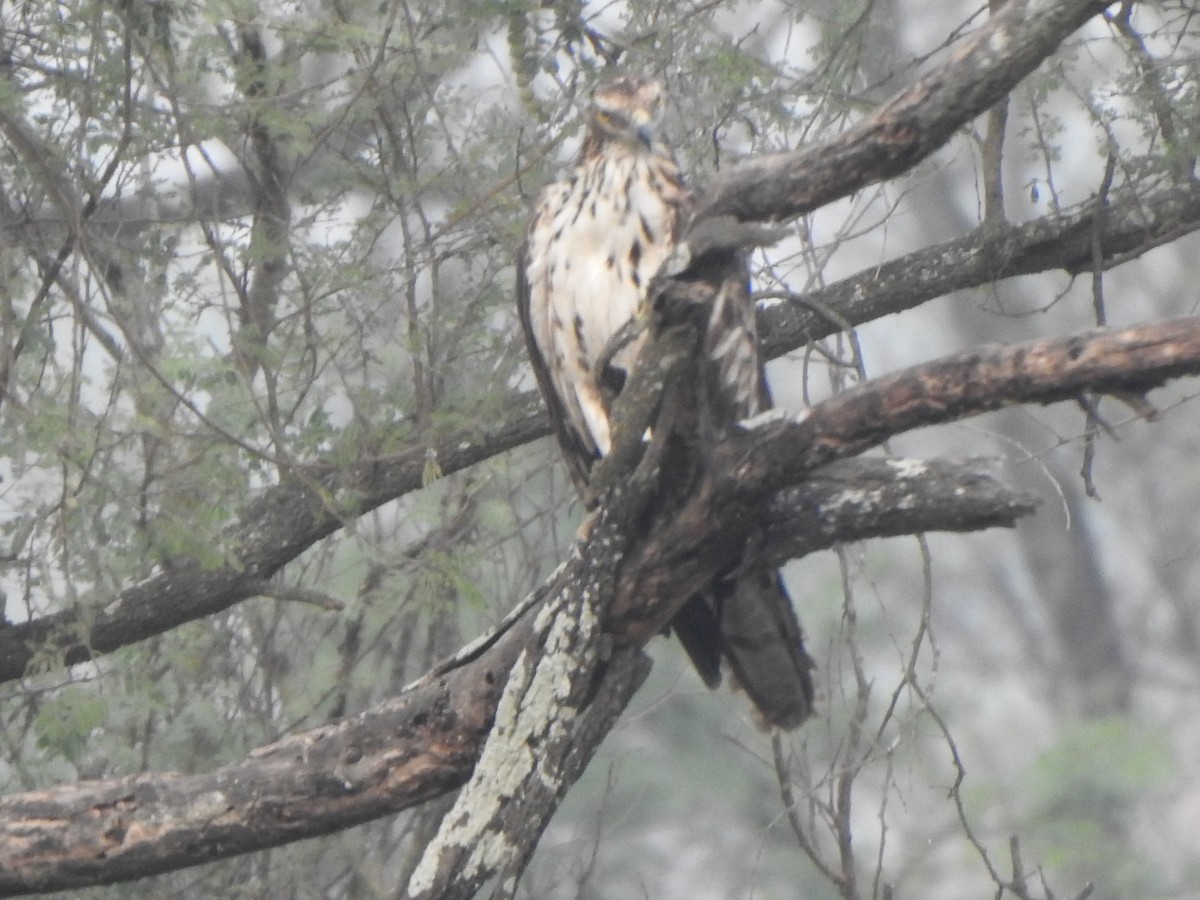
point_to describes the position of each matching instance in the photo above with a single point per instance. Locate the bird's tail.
(747, 619)
(761, 639)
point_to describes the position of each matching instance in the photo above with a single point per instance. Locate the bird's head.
(627, 109)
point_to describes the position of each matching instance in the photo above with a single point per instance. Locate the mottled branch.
(874, 497)
(1133, 222)
(561, 698)
(907, 128)
(778, 450)
(426, 742)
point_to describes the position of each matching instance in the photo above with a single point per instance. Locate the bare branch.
(908, 127)
(887, 497)
(1132, 223)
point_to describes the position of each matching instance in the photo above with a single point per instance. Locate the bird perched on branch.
(596, 241)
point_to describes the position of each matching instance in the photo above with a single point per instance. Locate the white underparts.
(597, 241)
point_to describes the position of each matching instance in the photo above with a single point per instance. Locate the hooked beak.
(643, 128)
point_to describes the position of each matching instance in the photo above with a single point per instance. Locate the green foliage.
(65, 723)
(1085, 790)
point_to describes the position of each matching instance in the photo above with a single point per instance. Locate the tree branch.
(907, 128)
(425, 742)
(854, 499)
(1134, 222)
(777, 449)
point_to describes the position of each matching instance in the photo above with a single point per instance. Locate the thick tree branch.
(561, 699)
(853, 499)
(907, 128)
(426, 742)
(1134, 222)
(400, 753)
(778, 449)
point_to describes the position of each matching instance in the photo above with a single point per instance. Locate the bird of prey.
(596, 240)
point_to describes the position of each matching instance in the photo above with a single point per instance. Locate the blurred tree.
(260, 374)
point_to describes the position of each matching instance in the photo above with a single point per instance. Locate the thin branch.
(1132, 222)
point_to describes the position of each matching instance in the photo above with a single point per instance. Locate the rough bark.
(419, 745)
(907, 128)
(426, 742)
(561, 699)
(779, 449)
(852, 498)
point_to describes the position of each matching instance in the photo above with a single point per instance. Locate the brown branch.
(426, 742)
(876, 497)
(1134, 222)
(1105, 361)
(685, 552)
(419, 745)
(907, 128)
(400, 753)
(270, 233)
